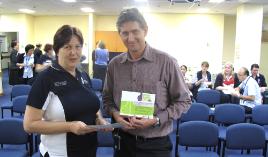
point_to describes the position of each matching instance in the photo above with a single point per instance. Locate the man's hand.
(119, 119)
(142, 123)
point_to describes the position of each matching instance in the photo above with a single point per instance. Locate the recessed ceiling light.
(69, 1)
(28, 11)
(203, 10)
(141, 0)
(87, 10)
(216, 1)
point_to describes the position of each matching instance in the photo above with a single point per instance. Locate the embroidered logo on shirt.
(62, 83)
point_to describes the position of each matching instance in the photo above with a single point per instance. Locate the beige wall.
(229, 39)
(264, 60)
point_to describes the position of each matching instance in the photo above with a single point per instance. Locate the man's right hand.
(119, 119)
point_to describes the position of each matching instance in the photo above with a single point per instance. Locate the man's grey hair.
(129, 15)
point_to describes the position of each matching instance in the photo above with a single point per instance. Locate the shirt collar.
(147, 54)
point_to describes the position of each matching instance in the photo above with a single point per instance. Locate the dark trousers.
(46, 155)
(135, 146)
(248, 110)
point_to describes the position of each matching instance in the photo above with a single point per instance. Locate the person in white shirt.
(248, 91)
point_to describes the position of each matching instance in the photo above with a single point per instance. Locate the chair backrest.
(105, 139)
(18, 90)
(197, 112)
(96, 84)
(229, 114)
(260, 115)
(19, 103)
(209, 97)
(245, 136)
(12, 132)
(198, 134)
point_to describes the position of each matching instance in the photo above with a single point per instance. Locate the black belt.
(139, 138)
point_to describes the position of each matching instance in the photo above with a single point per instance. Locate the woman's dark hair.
(48, 47)
(13, 44)
(128, 15)
(28, 47)
(64, 35)
(254, 66)
(184, 67)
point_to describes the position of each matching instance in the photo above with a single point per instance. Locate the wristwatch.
(157, 121)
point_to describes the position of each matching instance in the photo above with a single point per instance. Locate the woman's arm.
(33, 123)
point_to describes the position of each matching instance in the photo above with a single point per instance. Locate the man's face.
(255, 71)
(241, 75)
(133, 36)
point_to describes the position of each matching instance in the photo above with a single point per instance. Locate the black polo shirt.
(64, 97)
(260, 80)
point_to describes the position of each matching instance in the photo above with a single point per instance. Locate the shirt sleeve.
(252, 89)
(108, 101)
(178, 93)
(40, 91)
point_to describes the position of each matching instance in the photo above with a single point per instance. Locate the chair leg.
(2, 110)
(177, 140)
(219, 148)
(223, 149)
(265, 149)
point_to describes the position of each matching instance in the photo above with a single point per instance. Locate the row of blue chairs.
(242, 136)
(223, 115)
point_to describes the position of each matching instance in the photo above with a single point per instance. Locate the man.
(248, 91)
(144, 69)
(258, 77)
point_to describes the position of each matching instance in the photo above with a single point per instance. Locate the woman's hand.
(80, 128)
(102, 121)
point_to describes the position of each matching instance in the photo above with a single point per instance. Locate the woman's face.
(204, 68)
(183, 70)
(228, 69)
(69, 55)
(30, 52)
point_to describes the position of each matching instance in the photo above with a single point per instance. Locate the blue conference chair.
(209, 97)
(17, 90)
(245, 136)
(260, 117)
(228, 114)
(197, 112)
(198, 134)
(19, 105)
(12, 133)
(96, 84)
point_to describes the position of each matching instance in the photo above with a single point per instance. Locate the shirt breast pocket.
(161, 95)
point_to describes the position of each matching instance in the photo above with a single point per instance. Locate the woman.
(202, 79)
(186, 79)
(62, 103)
(13, 70)
(101, 61)
(26, 62)
(45, 60)
(226, 82)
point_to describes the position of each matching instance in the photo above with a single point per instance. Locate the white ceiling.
(113, 7)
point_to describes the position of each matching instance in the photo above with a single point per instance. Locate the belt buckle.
(140, 138)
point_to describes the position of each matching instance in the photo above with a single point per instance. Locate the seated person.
(45, 60)
(187, 79)
(226, 82)
(202, 80)
(248, 91)
(258, 77)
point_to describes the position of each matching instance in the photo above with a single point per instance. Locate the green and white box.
(137, 104)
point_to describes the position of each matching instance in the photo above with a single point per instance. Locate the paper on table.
(107, 126)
